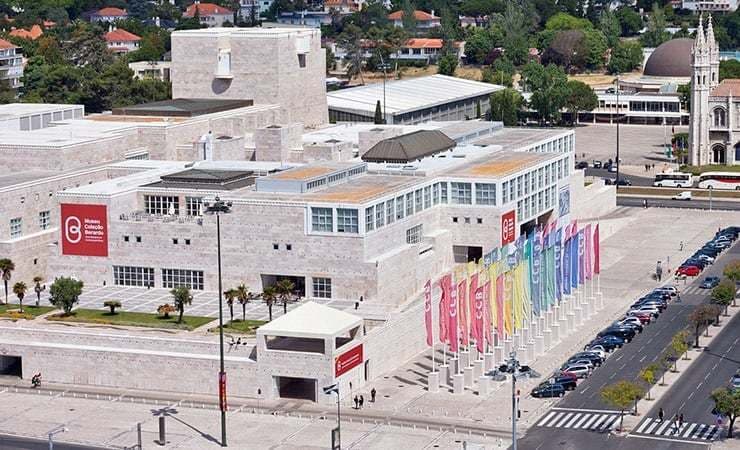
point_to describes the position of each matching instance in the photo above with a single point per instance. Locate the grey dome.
(670, 59)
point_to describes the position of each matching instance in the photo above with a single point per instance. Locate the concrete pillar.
(464, 358)
(530, 352)
(555, 334)
(508, 345)
(539, 345)
(468, 374)
(444, 374)
(473, 353)
(484, 386)
(477, 368)
(433, 382)
(489, 362)
(541, 325)
(570, 322)
(547, 335)
(600, 300)
(454, 366)
(458, 383)
(499, 355)
(549, 317)
(578, 316)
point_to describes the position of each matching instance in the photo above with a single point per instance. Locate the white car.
(579, 370)
(685, 195)
(652, 310)
(673, 290)
(584, 362)
(597, 350)
(706, 258)
(630, 319)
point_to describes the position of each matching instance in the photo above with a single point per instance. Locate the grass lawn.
(134, 319)
(241, 327)
(696, 170)
(29, 311)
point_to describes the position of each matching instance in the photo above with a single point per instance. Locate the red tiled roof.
(4, 45)
(111, 11)
(49, 24)
(727, 88)
(206, 9)
(34, 33)
(418, 15)
(119, 35)
(423, 43)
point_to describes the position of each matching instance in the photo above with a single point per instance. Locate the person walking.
(372, 395)
(661, 414)
(680, 421)
(357, 402)
(362, 401)
(680, 246)
(675, 422)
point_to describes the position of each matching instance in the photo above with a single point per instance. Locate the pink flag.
(487, 328)
(463, 332)
(477, 318)
(471, 303)
(444, 307)
(597, 259)
(500, 306)
(452, 328)
(587, 251)
(428, 311)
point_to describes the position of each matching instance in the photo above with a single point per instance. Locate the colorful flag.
(588, 267)
(509, 303)
(487, 310)
(472, 288)
(581, 257)
(566, 261)
(444, 307)
(428, 311)
(574, 257)
(500, 306)
(452, 327)
(535, 272)
(463, 331)
(558, 264)
(477, 318)
(597, 249)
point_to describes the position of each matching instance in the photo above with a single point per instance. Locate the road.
(21, 443)
(635, 180)
(578, 407)
(668, 203)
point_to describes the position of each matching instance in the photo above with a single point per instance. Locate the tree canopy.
(64, 293)
(548, 85)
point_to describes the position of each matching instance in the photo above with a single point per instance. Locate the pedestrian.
(653, 167)
(644, 203)
(680, 246)
(661, 414)
(362, 401)
(372, 395)
(357, 305)
(357, 402)
(675, 421)
(680, 420)
(361, 299)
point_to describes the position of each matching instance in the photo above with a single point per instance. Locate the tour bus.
(673, 179)
(719, 180)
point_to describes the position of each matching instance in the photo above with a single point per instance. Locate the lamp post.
(618, 118)
(52, 433)
(219, 207)
(336, 434)
(385, 68)
(512, 367)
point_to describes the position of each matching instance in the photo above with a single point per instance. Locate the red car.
(644, 318)
(689, 271)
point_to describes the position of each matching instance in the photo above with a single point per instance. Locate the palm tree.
(243, 296)
(181, 296)
(269, 294)
(38, 288)
(284, 289)
(19, 289)
(6, 269)
(230, 295)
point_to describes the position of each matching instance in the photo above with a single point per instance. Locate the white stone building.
(11, 64)
(120, 41)
(712, 6)
(210, 14)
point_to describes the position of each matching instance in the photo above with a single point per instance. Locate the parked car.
(609, 342)
(685, 195)
(644, 317)
(595, 359)
(596, 164)
(657, 303)
(637, 326)
(695, 262)
(613, 168)
(581, 370)
(623, 332)
(672, 290)
(563, 374)
(709, 282)
(567, 382)
(650, 309)
(546, 390)
(689, 271)
(735, 381)
(580, 361)
(581, 165)
(704, 257)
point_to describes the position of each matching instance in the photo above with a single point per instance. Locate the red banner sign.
(508, 227)
(348, 361)
(222, 391)
(84, 230)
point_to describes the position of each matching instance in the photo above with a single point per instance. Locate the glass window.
(389, 211)
(505, 192)
(539, 201)
(322, 287)
(418, 205)
(435, 194)
(321, 219)
(172, 278)
(540, 177)
(427, 197)
(44, 220)
(460, 193)
(485, 193)
(133, 276)
(519, 186)
(347, 220)
(399, 208)
(560, 169)
(409, 204)
(161, 204)
(193, 206)
(443, 192)
(413, 234)
(533, 181)
(519, 210)
(16, 227)
(526, 183)
(379, 215)
(370, 218)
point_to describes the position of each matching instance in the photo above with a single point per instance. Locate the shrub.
(165, 310)
(112, 304)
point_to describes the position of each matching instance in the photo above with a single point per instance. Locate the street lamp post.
(52, 433)
(219, 207)
(618, 119)
(512, 367)
(710, 198)
(336, 434)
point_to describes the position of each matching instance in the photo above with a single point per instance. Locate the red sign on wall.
(348, 361)
(508, 227)
(84, 230)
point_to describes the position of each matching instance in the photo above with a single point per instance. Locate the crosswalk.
(668, 428)
(695, 290)
(580, 420)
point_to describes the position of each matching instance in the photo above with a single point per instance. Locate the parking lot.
(638, 144)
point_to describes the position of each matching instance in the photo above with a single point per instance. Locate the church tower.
(701, 80)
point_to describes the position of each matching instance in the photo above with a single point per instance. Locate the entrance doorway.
(299, 388)
(298, 282)
(11, 365)
(718, 154)
(464, 253)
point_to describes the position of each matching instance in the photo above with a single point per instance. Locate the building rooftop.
(311, 320)
(727, 88)
(502, 163)
(181, 107)
(409, 147)
(418, 15)
(262, 32)
(111, 11)
(519, 138)
(671, 59)
(206, 9)
(407, 95)
(214, 179)
(120, 35)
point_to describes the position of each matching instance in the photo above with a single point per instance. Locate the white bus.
(719, 180)
(673, 179)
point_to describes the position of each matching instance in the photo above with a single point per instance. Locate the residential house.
(424, 20)
(210, 14)
(11, 64)
(345, 6)
(426, 49)
(34, 33)
(157, 70)
(313, 19)
(109, 14)
(121, 41)
(259, 6)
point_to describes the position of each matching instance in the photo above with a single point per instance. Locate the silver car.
(579, 370)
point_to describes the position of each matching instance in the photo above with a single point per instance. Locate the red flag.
(597, 245)
(463, 332)
(477, 318)
(500, 306)
(452, 316)
(471, 303)
(444, 307)
(428, 311)
(487, 328)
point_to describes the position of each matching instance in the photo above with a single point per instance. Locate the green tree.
(408, 19)
(378, 119)
(647, 374)
(655, 33)
(6, 271)
(181, 296)
(679, 343)
(699, 318)
(112, 305)
(609, 25)
(284, 290)
(596, 46)
(629, 21)
(447, 64)
(732, 271)
(64, 293)
(478, 44)
(505, 105)
(350, 40)
(581, 97)
(724, 294)
(621, 395)
(243, 296)
(269, 295)
(626, 57)
(727, 403)
(729, 68)
(501, 72)
(20, 289)
(37, 288)
(152, 48)
(549, 88)
(231, 295)
(562, 21)
(7, 94)
(87, 48)
(684, 95)
(516, 26)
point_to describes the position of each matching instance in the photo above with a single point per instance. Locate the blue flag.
(566, 266)
(535, 271)
(558, 264)
(574, 261)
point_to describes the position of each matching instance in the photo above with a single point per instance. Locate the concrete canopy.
(311, 320)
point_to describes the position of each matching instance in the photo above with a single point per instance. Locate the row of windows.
(405, 205)
(166, 204)
(172, 278)
(535, 204)
(16, 224)
(523, 185)
(322, 220)
(322, 287)
(133, 276)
